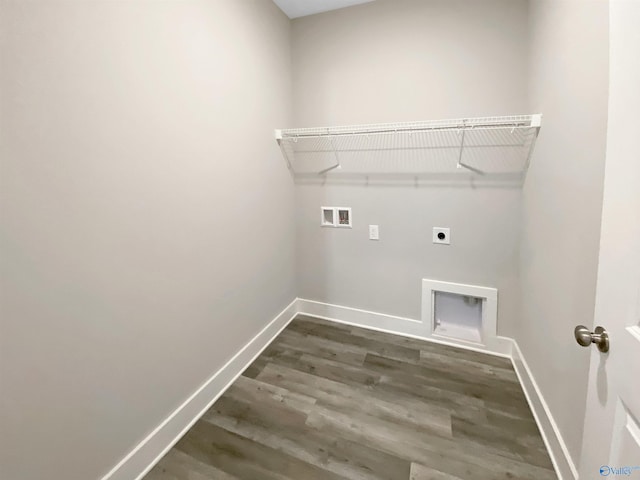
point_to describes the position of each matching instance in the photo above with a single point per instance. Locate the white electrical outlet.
(441, 235)
(374, 232)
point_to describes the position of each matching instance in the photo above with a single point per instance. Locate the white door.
(611, 445)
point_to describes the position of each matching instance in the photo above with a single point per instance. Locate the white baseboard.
(562, 462)
(407, 327)
(148, 452)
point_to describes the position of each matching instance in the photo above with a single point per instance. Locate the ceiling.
(302, 8)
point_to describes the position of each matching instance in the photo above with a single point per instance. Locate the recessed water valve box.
(328, 217)
(442, 235)
(339, 217)
(343, 217)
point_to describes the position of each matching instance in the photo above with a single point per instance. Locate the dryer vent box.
(458, 316)
(460, 313)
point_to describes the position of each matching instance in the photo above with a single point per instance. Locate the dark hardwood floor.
(329, 401)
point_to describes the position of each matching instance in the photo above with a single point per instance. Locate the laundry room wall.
(406, 60)
(146, 215)
(562, 202)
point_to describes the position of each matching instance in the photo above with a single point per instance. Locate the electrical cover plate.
(441, 235)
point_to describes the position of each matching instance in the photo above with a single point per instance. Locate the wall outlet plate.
(442, 235)
(374, 232)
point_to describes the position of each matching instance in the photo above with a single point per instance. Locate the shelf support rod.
(464, 165)
(464, 131)
(527, 162)
(280, 140)
(337, 165)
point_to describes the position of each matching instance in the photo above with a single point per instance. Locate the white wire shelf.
(472, 146)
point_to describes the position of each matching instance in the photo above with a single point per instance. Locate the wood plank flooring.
(327, 401)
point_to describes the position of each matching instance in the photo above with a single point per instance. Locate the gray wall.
(396, 61)
(562, 201)
(146, 215)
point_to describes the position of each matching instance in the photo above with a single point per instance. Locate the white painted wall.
(562, 202)
(406, 60)
(146, 215)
